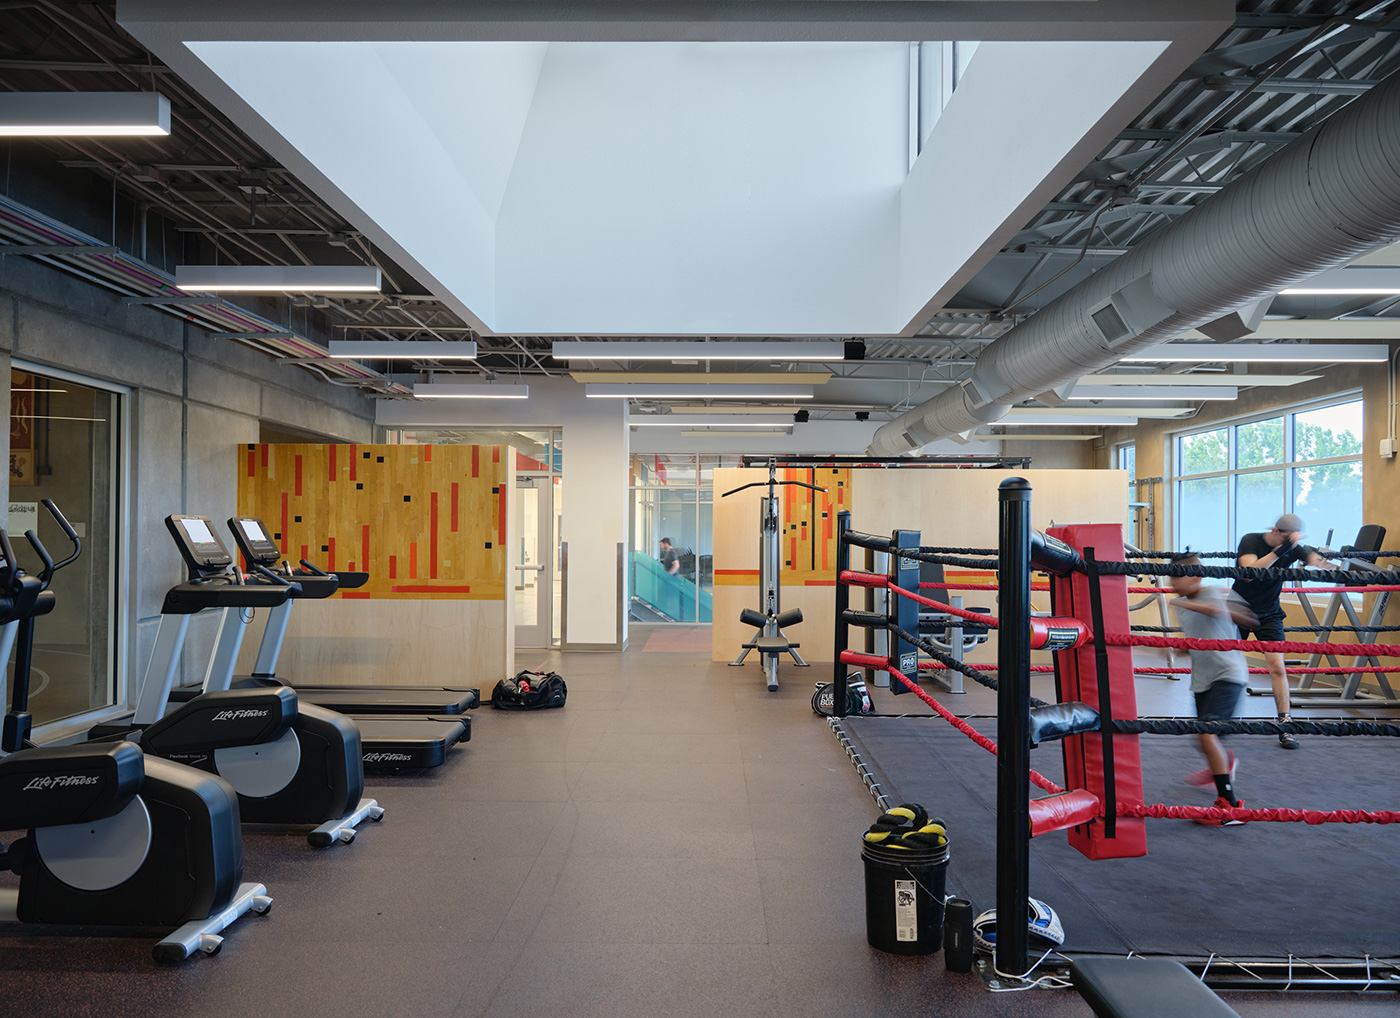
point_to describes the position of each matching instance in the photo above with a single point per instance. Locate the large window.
(1239, 478)
(64, 445)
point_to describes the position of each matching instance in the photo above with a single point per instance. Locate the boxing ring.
(1302, 895)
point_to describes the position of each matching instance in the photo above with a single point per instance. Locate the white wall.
(694, 188)
(595, 442)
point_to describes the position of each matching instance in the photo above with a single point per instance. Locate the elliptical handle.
(67, 529)
(11, 563)
(47, 573)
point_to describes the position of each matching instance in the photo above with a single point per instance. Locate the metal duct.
(1327, 198)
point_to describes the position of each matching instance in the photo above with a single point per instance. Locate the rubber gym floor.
(676, 841)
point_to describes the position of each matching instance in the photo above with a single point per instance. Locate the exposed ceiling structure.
(212, 190)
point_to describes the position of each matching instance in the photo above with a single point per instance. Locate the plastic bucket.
(904, 891)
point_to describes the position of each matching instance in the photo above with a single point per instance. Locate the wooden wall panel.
(424, 521)
(390, 641)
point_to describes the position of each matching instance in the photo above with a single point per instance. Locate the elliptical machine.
(113, 837)
(291, 763)
(769, 640)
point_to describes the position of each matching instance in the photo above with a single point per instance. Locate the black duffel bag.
(530, 691)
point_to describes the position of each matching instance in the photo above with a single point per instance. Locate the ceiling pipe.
(1325, 199)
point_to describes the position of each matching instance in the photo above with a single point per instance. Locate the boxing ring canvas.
(1262, 890)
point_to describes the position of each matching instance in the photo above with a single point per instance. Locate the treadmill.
(388, 740)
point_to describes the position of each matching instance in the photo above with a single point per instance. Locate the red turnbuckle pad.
(1069, 809)
(1053, 632)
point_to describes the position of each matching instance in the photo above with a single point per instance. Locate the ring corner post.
(839, 691)
(1013, 727)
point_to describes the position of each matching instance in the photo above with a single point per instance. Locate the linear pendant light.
(1222, 379)
(682, 350)
(1243, 353)
(278, 278)
(610, 391)
(1152, 392)
(402, 349)
(469, 390)
(89, 114)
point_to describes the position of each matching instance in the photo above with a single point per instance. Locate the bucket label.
(906, 911)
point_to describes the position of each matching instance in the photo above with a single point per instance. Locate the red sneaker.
(1222, 803)
(1205, 779)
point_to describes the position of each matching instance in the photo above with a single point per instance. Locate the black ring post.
(843, 602)
(1013, 727)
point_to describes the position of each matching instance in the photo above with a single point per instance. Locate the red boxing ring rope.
(850, 657)
(1296, 816)
(1258, 646)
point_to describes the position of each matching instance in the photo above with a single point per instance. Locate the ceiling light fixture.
(730, 431)
(1153, 392)
(90, 114)
(1340, 291)
(610, 391)
(680, 421)
(1247, 353)
(705, 377)
(1147, 378)
(278, 278)
(410, 349)
(469, 390)
(671, 350)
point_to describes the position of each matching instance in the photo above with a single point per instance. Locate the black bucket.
(904, 891)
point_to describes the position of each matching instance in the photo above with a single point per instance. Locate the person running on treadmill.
(670, 558)
(1277, 548)
(1218, 677)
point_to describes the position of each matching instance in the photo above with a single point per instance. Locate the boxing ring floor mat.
(1266, 890)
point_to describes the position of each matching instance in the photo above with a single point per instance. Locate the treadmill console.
(199, 545)
(253, 540)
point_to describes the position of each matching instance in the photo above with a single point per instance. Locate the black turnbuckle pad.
(234, 717)
(1061, 720)
(55, 785)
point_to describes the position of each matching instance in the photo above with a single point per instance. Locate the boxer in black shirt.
(1279, 548)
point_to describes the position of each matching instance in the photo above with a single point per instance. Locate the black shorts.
(1270, 627)
(1218, 702)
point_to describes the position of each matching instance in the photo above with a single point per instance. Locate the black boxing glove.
(1284, 553)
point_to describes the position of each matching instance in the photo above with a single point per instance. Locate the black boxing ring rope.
(1018, 654)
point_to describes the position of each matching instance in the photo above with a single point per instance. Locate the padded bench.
(771, 644)
(1145, 988)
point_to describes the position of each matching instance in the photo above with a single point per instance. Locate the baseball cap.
(1289, 522)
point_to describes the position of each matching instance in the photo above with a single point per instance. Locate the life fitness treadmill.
(400, 726)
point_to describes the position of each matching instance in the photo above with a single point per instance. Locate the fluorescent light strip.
(89, 114)
(1340, 291)
(1201, 378)
(608, 391)
(1092, 411)
(670, 350)
(1066, 421)
(703, 377)
(1152, 392)
(1248, 353)
(1033, 438)
(768, 409)
(278, 278)
(728, 431)
(411, 349)
(681, 422)
(469, 390)
(1355, 330)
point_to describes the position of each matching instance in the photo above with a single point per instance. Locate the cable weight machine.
(770, 620)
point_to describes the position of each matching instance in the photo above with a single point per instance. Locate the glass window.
(64, 446)
(1204, 453)
(1328, 432)
(1259, 495)
(1202, 527)
(1259, 444)
(1328, 497)
(1127, 459)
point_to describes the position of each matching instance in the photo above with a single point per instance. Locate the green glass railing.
(674, 596)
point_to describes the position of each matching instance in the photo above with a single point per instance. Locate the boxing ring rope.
(1018, 819)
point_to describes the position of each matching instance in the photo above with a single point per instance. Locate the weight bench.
(1145, 988)
(770, 647)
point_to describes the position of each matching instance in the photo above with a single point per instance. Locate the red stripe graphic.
(432, 536)
(495, 454)
(413, 560)
(501, 518)
(354, 455)
(305, 552)
(476, 461)
(393, 566)
(427, 454)
(250, 462)
(358, 595)
(264, 454)
(330, 554)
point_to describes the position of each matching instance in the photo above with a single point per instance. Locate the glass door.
(64, 441)
(534, 568)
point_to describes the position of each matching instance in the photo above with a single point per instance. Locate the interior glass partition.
(673, 498)
(65, 445)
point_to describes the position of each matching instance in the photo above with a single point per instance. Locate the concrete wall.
(191, 401)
